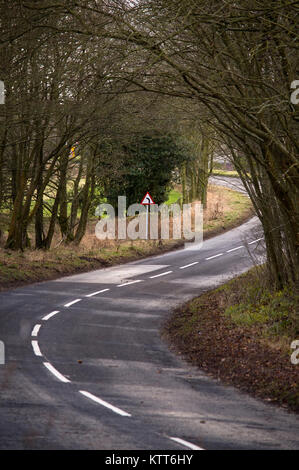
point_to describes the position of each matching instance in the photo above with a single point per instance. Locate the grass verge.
(231, 173)
(226, 209)
(241, 334)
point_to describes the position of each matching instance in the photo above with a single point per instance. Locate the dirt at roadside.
(236, 355)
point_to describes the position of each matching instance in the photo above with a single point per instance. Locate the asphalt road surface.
(86, 368)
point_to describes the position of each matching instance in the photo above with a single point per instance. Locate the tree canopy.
(90, 71)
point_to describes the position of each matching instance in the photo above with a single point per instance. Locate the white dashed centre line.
(98, 292)
(189, 265)
(215, 256)
(55, 372)
(72, 303)
(186, 443)
(36, 348)
(50, 315)
(129, 283)
(234, 249)
(255, 241)
(104, 403)
(92, 397)
(162, 274)
(35, 330)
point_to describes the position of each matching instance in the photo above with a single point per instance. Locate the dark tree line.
(232, 62)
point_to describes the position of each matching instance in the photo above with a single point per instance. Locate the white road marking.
(255, 241)
(104, 403)
(162, 274)
(36, 348)
(234, 249)
(47, 317)
(114, 275)
(188, 265)
(35, 330)
(215, 256)
(186, 443)
(129, 283)
(55, 372)
(72, 303)
(98, 292)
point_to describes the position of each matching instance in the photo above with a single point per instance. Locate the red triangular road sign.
(147, 200)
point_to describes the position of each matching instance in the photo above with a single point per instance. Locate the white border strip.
(72, 303)
(104, 403)
(55, 372)
(47, 317)
(35, 330)
(36, 349)
(98, 292)
(186, 443)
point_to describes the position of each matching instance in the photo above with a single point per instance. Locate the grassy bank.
(241, 333)
(231, 173)
(226, 209)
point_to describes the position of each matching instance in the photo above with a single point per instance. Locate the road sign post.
(147, 201)
(146, 224)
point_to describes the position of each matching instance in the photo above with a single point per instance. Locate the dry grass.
(250, 348)
(226, 208)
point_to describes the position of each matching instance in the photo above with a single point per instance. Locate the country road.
(86, 367)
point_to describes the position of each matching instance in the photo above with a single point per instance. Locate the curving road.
(86, 368)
